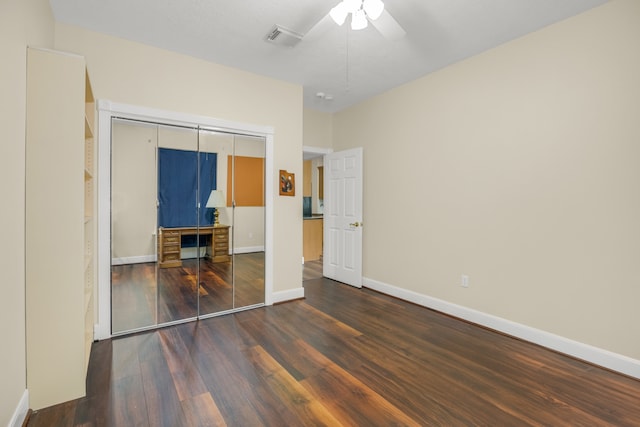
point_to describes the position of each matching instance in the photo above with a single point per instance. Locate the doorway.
(313, 210)
(342, 210)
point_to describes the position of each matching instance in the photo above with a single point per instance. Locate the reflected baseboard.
(133, 260)
(153, 258)
(248, 249)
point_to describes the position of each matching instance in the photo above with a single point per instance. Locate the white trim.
(595, 355)
(58, 52)
(181, 119)
(291, 294)
(102, 329)
(316, 150)
(107, 110)
(20, 413)
(268, 221)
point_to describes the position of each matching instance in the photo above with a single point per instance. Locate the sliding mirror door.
(246, 170)
(232, 274)
(133, 225)
(179, 237)
(187, 223)
(216, 268)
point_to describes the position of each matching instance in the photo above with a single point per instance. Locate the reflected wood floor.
(143, 295)
(340, 357)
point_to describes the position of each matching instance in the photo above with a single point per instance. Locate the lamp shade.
(216, 199)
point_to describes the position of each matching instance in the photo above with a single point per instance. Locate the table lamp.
(216, 200)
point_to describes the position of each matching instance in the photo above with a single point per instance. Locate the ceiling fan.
(362, 12)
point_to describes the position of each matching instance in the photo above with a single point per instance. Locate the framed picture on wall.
(287, 183)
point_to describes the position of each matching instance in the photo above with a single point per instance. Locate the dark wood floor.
(312, 270)
(341, 356)
(144, 295)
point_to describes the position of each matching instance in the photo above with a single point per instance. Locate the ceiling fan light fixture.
(352, 6)
(373, 8)
(339, 13)
(359, 20)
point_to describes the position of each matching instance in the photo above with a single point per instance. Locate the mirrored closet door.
(233, 278)
(187, 223)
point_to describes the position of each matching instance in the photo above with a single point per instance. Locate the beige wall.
(518, 167)
(132, 73)
(318, 128)
(22, 23)
(318, 133)
(134, 191)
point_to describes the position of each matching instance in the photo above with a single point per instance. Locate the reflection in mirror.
(216, 279)
(237, 247)
(247, 170)
(133, 225)
(188, 223)
(178, 234)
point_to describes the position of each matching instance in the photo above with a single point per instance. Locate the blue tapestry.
(181, 187)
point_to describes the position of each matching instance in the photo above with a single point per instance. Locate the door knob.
(356, 224)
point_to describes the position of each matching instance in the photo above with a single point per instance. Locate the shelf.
(63, 253)
(88, 131)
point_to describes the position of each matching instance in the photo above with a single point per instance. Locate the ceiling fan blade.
(319, 29)
(388, 26)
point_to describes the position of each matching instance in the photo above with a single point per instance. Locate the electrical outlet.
(464, 282)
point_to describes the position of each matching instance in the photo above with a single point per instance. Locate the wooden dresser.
(220, 244)
(170, 239)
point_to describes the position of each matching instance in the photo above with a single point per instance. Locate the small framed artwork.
(287, 183)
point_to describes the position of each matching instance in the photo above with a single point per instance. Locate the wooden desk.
(170, 243)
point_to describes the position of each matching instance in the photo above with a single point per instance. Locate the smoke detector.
(283, 36)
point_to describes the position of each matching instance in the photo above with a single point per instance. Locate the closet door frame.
(108, 110)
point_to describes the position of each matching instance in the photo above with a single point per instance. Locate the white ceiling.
(349, 65)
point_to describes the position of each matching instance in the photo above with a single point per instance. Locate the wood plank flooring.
(312, 270)
(340, 357)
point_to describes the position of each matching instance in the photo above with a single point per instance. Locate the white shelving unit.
(60, 226)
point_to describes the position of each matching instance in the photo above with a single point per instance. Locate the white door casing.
(342, 257)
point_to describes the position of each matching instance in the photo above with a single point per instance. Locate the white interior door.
(342, 258)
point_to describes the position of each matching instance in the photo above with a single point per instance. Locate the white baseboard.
(291, 294)
(101, 331)
(21, 411)
(595, 355)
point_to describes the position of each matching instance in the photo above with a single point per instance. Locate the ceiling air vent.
(283, 37)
